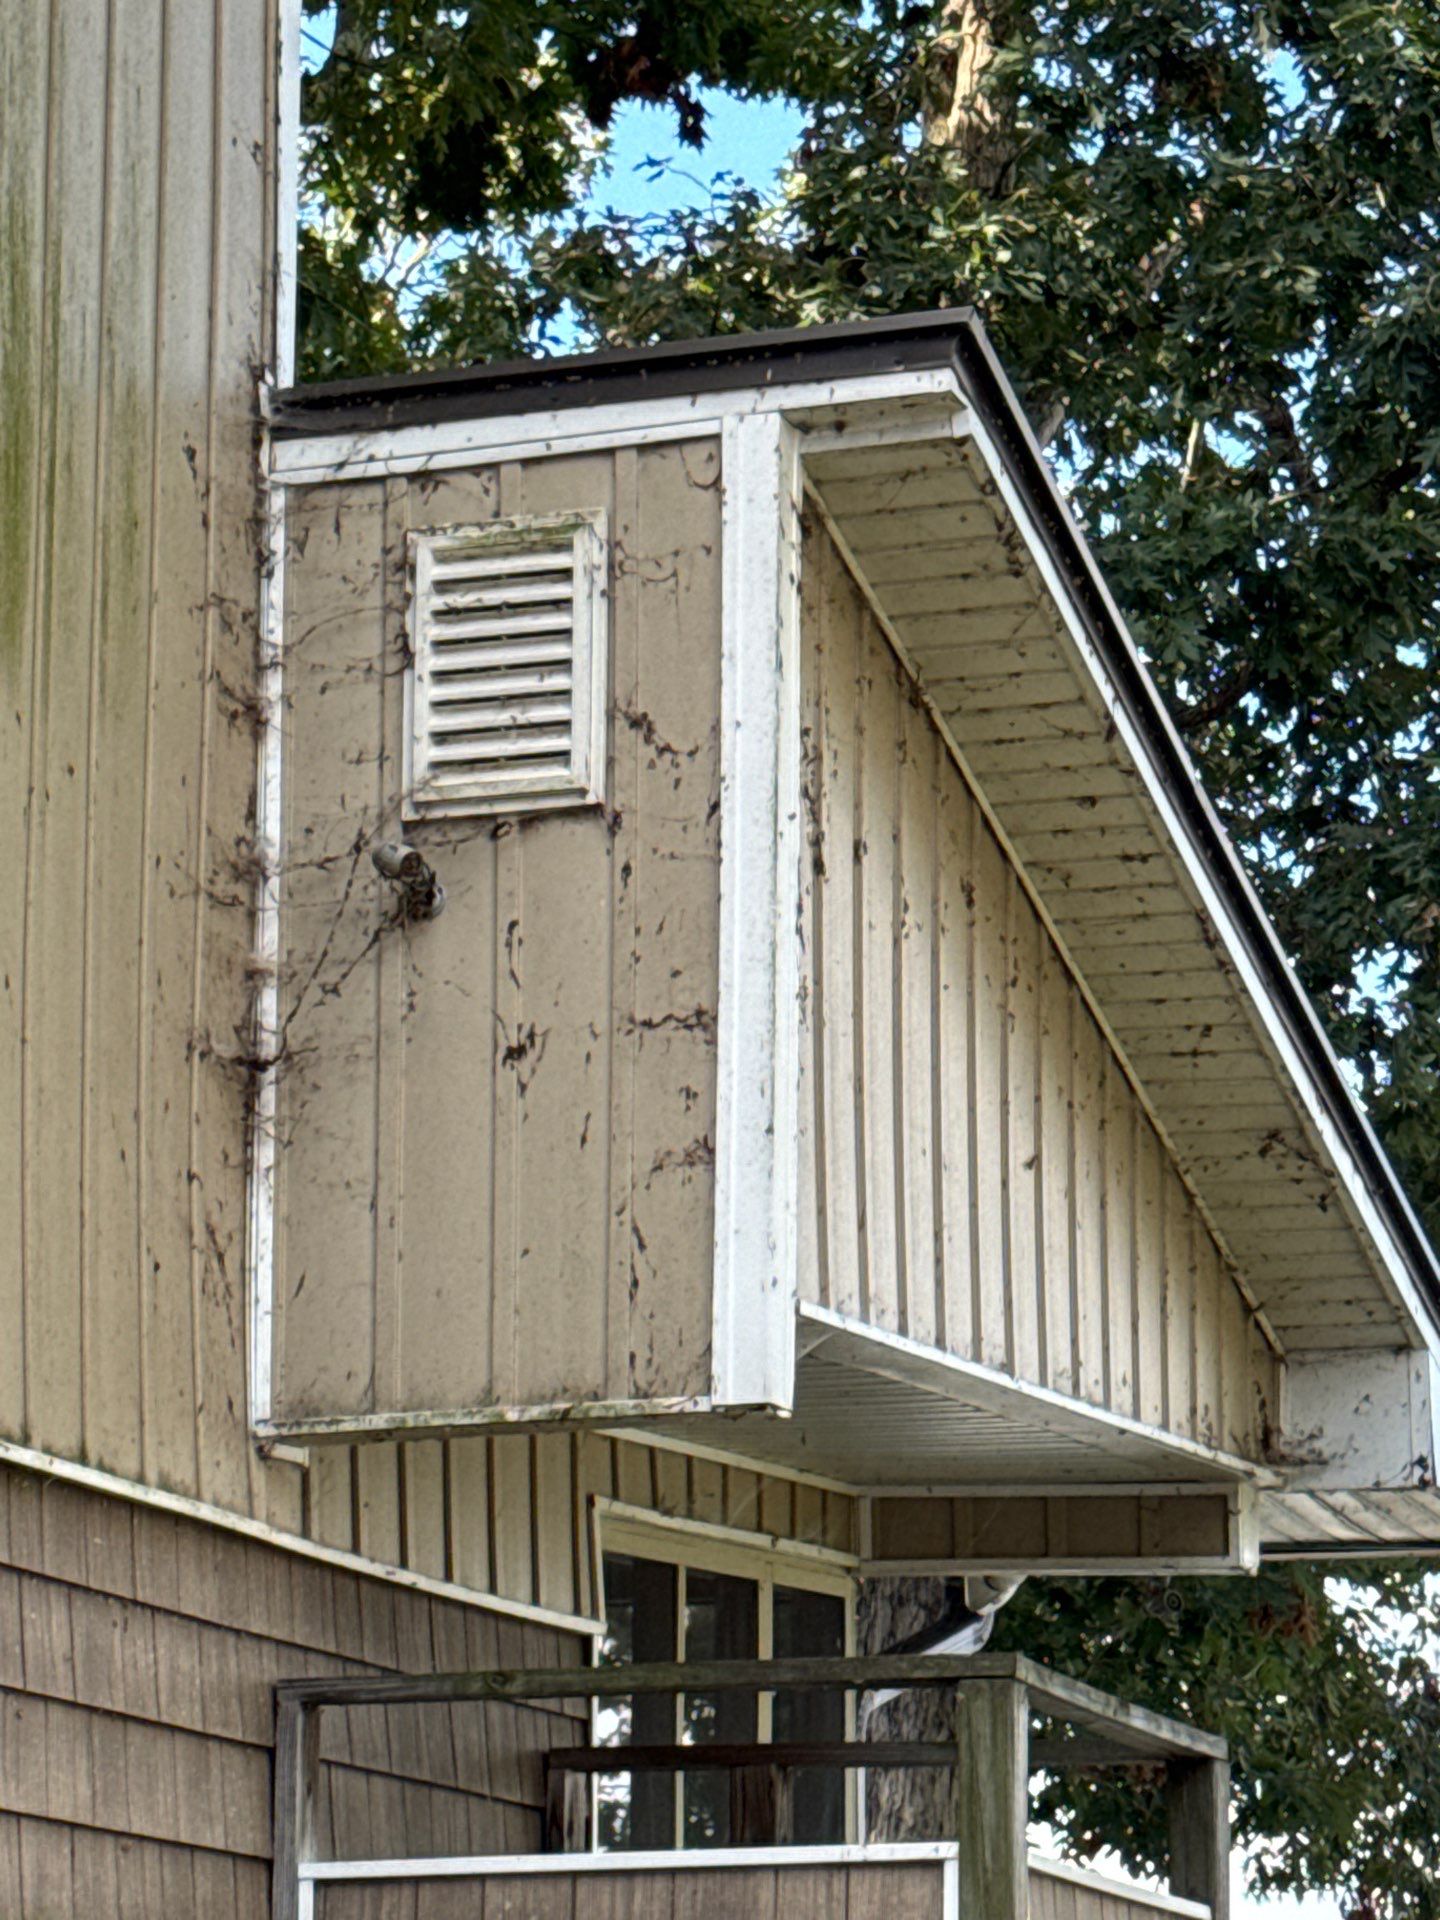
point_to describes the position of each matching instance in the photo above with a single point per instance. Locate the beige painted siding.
(132, 269)
(511, 1514)
(978, 1172)
(137, 1657)
(132, 183)
(501, 1124)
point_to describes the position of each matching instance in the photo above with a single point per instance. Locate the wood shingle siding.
(137, 1657)
(978, 1172)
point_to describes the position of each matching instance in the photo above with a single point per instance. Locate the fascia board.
(378, 452)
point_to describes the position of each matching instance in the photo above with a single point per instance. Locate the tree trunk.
(965, 108)
(905, 1803)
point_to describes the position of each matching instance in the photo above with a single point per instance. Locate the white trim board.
(265, 969)
(832, 1561)
(337, 1429)
(183, 1507)
(942, 1853)
(700, 1860)
(286, 181)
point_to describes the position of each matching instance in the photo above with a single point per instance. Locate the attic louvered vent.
(506, 692)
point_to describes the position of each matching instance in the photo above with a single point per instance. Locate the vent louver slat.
(507, 682)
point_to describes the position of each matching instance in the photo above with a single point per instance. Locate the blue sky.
(749, 140)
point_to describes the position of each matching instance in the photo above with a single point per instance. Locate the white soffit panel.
(875, 1410)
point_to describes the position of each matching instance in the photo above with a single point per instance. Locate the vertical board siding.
(116, 365)
(137, 1657)
(1002, 1192)
(133, 157)
(502, 1122)
(673, 1486)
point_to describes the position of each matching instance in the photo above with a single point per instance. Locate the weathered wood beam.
(1197, 1803)
(992, 1799)
(297, 1783)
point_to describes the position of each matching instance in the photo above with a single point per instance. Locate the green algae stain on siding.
(20, 374)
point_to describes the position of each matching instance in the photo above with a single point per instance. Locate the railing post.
(297, 1785)
(1197, 1803)
(992, 1798)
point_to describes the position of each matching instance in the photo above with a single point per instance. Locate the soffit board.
(1316, 1526)
(874, 1418)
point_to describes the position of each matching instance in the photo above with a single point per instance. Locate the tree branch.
(1196, 714)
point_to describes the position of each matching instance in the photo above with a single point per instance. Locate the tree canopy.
(1204, 239)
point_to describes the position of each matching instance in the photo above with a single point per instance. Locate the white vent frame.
(580, 780)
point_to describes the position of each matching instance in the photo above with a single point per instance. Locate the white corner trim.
(287, 193)
(184, 1507)
(265, 1029)
(756, 1147)
(950, 1889)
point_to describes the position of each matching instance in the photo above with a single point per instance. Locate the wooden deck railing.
(993, 1753)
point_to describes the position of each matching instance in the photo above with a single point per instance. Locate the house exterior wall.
(137, 1656)
(512, 1514)
(525, 1088)
(978, 1171)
